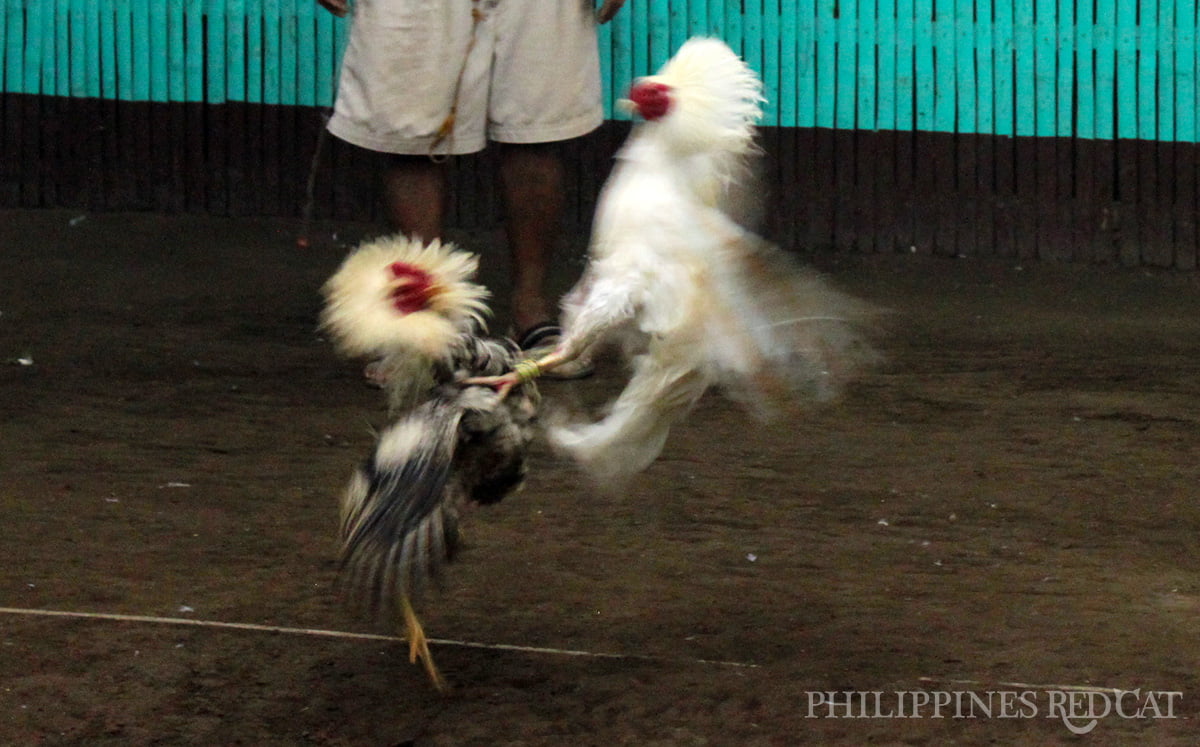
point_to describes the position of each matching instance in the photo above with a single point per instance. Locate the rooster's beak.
(626, 106)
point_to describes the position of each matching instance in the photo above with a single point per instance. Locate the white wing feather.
(713, 304)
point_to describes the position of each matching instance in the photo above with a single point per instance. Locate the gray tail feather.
(399, 511)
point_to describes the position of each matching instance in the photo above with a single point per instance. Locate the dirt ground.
(1009, 505)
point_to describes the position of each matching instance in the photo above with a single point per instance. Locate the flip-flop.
(541, 339)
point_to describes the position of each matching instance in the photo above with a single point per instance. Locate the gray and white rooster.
(413, 306)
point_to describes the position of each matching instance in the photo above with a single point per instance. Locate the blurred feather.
(671, 261)
(448, 444)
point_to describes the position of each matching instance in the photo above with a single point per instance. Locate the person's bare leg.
(414, 195)
(532, 184)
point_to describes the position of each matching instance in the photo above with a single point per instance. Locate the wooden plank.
(847, 211)
(904, 126)
(269, 176)
(985, 124)
(254, 161)
(787, 86)
(943, 22)
(1085, 213)
(963, 208)
(734, 31)
(1125, 195)
(1154, 85)
(1067, 247)
(106, 180)
(39, 25)
(293, 166)
(1004, 120)
(328, 29)
(1187, 155)
(1051, 237)
(924, 171)
(215, 130)
(866, 142)
(826, 62)
(1104, 245)
(8, 109)
(639, 24)
(805, 62)
(883, 144)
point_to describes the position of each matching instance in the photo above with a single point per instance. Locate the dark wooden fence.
(1130, 202)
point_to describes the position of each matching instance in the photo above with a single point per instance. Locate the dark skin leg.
(531, 180)
(415, 192)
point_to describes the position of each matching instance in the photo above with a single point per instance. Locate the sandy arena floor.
(1010, 505)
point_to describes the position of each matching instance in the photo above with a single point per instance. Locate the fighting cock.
(698, 300)
(413, 307)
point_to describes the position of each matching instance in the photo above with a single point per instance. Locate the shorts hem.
(455, 145)
(547, 134)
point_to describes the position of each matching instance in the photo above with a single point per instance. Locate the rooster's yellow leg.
(418, 645)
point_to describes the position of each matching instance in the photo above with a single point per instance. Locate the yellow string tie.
(527, 369)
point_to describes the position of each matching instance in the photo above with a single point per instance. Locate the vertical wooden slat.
(272, 115)
(293, 168)
(1154, 246)
(886, 194)
(1048, 227)
(1085, 209)
(1187, 237)
(945, 208)
(659, 34)
(845, 218)
(128, 144)
(1063, 220)
(680, 22)
(734, 32)
(327, 29)
(823, 197)
(1164, 216)
(771, 64)
(106, 35)
(985, 121)
(41, 155)
(1004, 118)
(801, 144)
(216, 110)
(1126, 194)
(7, 113)
(1104, 247)
(195, 179)
(905, 126)
(924, 143)
(639, 47)
(253, 156)
(867, 145)
(1025, 118)
(962, 210)
(174, 197)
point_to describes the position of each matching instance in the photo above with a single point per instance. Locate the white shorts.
(529, 69)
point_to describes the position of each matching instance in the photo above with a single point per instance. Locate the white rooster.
(705, 301)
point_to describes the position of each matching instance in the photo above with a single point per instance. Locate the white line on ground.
(114, 617)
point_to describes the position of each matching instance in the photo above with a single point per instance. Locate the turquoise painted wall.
(1095, 69)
